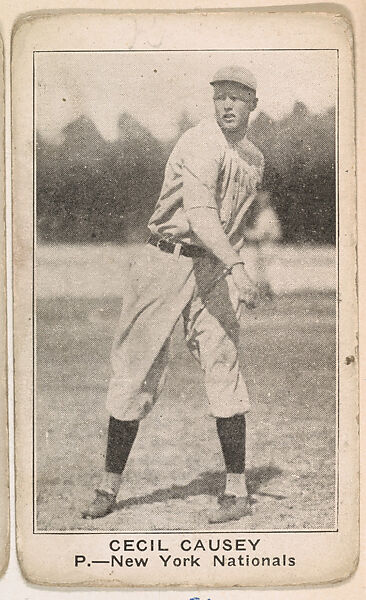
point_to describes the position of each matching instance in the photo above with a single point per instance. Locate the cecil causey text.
(186, 544)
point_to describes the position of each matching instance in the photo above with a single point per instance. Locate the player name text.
(186, 544)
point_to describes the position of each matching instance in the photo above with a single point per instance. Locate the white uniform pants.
(161, 287)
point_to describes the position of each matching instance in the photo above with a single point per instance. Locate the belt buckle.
(177, 247)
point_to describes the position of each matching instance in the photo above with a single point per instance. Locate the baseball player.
(263, 234)
(191, 266)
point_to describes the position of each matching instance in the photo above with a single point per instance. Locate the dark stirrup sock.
(121, 436)
(231, 432)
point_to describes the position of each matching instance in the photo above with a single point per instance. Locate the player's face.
(233, 105)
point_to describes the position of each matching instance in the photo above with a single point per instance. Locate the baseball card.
(185, 300)
(4, 485)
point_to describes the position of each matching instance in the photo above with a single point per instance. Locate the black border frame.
(176, 531)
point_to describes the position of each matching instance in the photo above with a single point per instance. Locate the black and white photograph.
(185, 290)
(185, 304)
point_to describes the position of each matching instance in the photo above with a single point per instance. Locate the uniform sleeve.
(200, 171)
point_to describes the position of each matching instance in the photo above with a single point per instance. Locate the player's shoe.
(231, 508)
(103, 504)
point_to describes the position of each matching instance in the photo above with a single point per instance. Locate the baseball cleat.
(231, 508)
(103, 504)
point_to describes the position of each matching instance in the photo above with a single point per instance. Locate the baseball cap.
(237, 74)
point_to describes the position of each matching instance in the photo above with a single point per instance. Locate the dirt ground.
(176, 470)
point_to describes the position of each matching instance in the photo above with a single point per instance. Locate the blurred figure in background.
(263, 232)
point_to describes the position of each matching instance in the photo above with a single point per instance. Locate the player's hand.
(248, 291)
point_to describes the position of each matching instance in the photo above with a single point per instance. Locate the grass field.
(176, 469)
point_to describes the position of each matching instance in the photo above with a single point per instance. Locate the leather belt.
(189, 250)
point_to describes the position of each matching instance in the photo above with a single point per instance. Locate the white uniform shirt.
(205, 170)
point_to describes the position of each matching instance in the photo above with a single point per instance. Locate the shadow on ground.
(208, 483)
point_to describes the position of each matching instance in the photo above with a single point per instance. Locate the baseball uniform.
(204, 170)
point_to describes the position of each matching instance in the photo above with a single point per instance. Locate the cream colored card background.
(49, 558)
(351, 588)
(4, 485)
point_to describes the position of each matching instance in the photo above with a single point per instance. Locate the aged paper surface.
(4, 485)
(94, 115)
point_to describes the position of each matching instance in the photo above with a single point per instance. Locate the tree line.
(93, 190)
